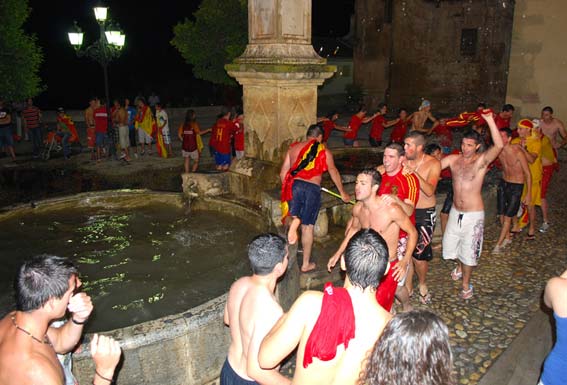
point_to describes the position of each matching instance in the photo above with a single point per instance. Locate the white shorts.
(190, 154)
(463, 236)
(166, 137)
(124, 136)
(143, 137)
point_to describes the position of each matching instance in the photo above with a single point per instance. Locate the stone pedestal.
(279, 72)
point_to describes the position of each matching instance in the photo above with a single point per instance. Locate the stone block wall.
(425, 54)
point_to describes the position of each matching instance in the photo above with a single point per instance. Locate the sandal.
(425, 299)
(456, 275)
(530, 237)
(467, 294)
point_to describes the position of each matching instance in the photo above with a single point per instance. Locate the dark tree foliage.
(216, 36)
(20, 56)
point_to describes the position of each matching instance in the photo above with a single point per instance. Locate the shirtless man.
(428, 171)
(515, 173)
(553, 128)
(419, 118)
(336, 328)
(464, 233)
(381, 214)
(46, 289)
(90, 122)
(251, 310)
(301, 187)
(121, 116)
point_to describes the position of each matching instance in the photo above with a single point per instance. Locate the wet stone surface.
(507, 288)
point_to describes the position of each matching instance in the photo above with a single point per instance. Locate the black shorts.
(509, 197)
(229, 377)
(424, 224)
(305, 202)
(446, 209)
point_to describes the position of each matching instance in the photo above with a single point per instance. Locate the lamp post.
(107, 47)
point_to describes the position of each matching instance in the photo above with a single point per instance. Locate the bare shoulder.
(309, 300)
(240, 286)
(31, 368)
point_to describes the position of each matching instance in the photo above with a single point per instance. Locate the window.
(388, 10)
(469, 39)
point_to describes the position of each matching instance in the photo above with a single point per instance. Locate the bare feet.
(310, 266)
(292, 232)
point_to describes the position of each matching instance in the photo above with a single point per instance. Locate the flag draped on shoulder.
(145, 120)
(311, 161)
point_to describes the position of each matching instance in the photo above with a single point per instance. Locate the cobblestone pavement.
(508, 288)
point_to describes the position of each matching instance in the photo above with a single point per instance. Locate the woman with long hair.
(413, 349)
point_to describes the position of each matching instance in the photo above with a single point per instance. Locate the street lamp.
(107, 47)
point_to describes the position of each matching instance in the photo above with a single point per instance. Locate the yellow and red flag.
(311, 161)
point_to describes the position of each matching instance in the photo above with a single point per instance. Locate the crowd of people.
(343, 335)
(126, 131)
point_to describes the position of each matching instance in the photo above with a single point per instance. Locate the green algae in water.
(136, 264)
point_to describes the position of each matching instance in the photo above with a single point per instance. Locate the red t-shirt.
(377, 127)
(189, 135)
(501, 122)
(101, 120)
(444, 134)
(328, 126)
(220, 137)
(399, 131)
(354, 124)
(404, 186)
(239, 135)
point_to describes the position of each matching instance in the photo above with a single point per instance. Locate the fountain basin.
(189, 346)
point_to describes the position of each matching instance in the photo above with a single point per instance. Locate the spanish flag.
(523, 216)
(145, 120)
(160, 145)
(311, 161)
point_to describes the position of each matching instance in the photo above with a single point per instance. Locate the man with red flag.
(301, 174)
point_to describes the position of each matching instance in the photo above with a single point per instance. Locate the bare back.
(250, 312)
(24, 360)
(344, 369)
(429, 170)
(511, 158)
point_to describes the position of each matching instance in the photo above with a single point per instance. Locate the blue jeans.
(65, 141)
(35, 134)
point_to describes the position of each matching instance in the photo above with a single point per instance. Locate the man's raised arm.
(492, 153)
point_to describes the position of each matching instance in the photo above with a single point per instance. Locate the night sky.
(148, 63)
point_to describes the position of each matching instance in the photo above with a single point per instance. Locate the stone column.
(279, 72)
